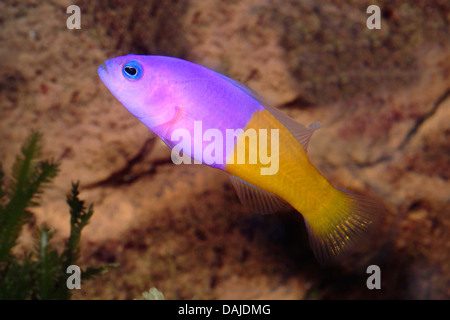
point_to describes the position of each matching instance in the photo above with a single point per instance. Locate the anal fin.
(258, 199)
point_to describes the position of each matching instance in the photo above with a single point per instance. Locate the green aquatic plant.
(40, 273)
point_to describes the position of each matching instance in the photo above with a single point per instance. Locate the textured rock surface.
(383, 97)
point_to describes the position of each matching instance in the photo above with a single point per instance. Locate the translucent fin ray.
(299, 131)
(343, 225)
(257, 199)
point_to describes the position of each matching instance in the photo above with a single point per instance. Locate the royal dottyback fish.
(181, 102)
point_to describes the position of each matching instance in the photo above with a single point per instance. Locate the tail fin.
(340, 224)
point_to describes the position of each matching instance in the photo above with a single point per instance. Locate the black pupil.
(131, 71)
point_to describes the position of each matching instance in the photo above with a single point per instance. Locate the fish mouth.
(102, 69)
(103, 74)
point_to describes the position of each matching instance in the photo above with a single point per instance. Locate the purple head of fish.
(167, 94)
(144, 96)
(148, 90)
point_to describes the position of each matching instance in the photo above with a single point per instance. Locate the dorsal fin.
(299, 131)
(257, 199)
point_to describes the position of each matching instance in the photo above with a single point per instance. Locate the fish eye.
(132, 70)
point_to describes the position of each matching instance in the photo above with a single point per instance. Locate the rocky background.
(383, 97)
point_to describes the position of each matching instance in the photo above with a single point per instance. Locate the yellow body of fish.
(334, 217)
